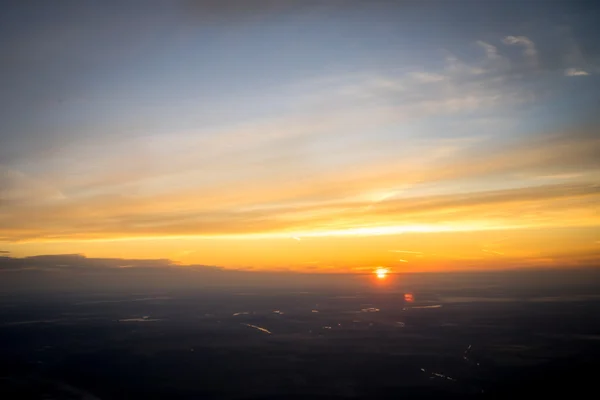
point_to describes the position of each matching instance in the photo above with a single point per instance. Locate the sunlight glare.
(381, 273)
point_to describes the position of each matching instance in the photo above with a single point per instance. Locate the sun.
(381, 272)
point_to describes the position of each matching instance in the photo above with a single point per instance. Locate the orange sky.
(430, 251)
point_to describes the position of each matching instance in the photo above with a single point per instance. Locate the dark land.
(475, 335)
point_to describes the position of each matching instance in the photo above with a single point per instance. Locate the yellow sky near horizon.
(408, 252)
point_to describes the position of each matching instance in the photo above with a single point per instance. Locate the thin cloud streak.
(457, 211)
(575, 72)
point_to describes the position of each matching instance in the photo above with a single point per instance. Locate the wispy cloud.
(230, 151)
(491, 52)
(16, 186)
(529, 50)
(425, 77)
(575, 72)
(305, 205)
(311, 169)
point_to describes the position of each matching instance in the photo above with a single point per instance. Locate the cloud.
(572, 53)
(16, 186)
(529, 51)
(78, 262)
(75, 272)
(274, 204)
(491, 52)
(329, 210)
(455, 66)
(427, 77)
(321, 155)
(454, 202)
(575, 72)
(291, 140)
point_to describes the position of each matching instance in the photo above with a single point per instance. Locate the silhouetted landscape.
(458, 335)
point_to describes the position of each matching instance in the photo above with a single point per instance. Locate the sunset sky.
(321, 136)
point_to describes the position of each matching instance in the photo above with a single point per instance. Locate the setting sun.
(381, 272)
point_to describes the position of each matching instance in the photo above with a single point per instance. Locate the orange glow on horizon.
(423, 251)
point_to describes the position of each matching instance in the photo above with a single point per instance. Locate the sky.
(313, 136)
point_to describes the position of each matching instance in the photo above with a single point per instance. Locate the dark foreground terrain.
(415, 336)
